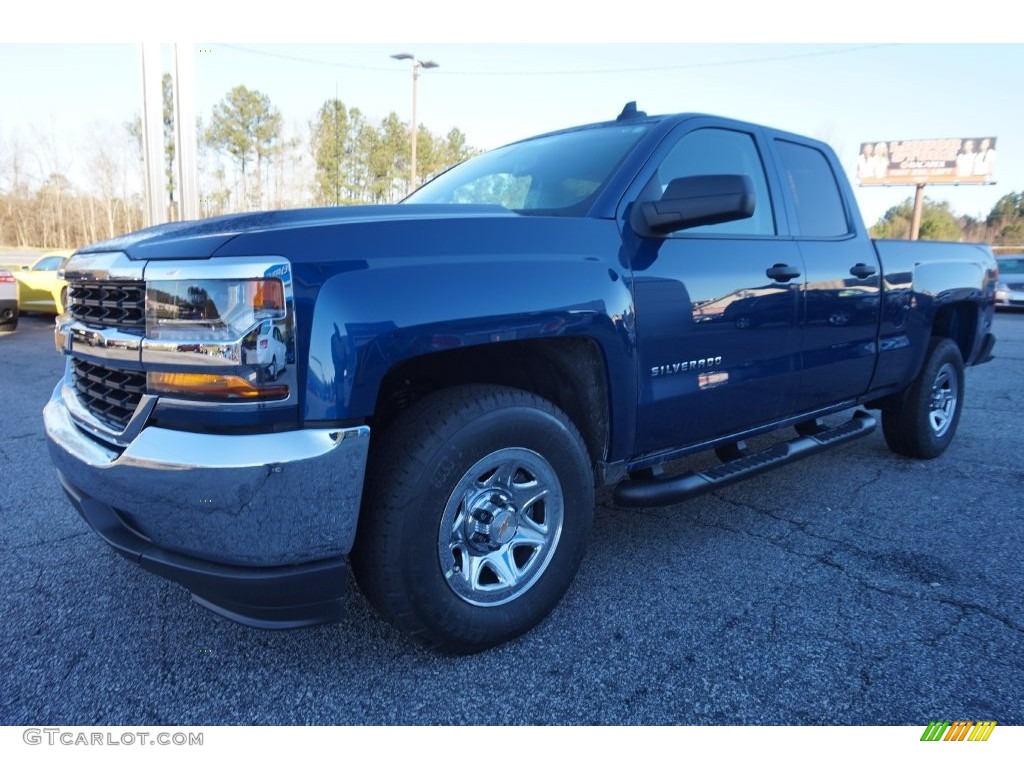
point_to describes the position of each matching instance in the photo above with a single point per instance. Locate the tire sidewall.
(437, 605)
(944, 352)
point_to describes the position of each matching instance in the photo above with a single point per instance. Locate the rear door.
(840, 306)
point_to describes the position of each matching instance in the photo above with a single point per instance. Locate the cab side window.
(816, 196)
(710, 151)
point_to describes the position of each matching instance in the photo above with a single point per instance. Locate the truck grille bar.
(113, 303)
(110, 394)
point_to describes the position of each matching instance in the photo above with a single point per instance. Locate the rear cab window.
(817, 200)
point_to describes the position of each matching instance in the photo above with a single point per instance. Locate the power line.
(305, 60)
(569, 72)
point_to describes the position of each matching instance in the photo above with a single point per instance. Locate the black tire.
(9, 323)
(922, 421)
(461, 558)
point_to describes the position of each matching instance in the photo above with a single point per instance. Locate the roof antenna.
(629, 112)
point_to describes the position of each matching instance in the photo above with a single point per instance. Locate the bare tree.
(106, 171)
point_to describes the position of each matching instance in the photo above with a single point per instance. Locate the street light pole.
(416, 64)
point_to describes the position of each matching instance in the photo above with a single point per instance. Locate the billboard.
(927, 161)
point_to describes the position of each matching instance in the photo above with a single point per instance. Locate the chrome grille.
(1015, 286)
(115, 303)
(110, 394)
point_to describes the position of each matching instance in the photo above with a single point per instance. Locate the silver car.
(8, 301)
(1010, 287)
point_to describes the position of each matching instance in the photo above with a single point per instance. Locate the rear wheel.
(479, 505)
(921, 423)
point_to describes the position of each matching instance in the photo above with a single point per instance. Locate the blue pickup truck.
(430, 392)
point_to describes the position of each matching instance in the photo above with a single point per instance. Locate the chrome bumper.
(252, 500)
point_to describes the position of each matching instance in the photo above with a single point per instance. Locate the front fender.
(367, 321)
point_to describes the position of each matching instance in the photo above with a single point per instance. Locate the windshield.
(48, 264)
(559, 174)
(1013, 266)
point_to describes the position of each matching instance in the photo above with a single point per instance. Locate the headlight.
(211, 310)
(224, 338)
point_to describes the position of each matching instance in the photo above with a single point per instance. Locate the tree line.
(249, 159)
(1004, 225)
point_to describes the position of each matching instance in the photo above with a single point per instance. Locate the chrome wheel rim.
(500, 527)
(944, 395)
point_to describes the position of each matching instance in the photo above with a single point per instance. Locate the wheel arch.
(959, 322)
(569, 372)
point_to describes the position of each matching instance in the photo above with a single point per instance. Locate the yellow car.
(42, 288)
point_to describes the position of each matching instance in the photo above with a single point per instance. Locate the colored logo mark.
(958, 730)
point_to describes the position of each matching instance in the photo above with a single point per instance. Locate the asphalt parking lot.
(855, 587)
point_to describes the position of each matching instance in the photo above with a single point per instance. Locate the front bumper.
(257, 527)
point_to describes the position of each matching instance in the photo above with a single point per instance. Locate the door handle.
(780, 273)
(862, 270)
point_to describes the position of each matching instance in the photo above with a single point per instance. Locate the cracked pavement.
(853, 587)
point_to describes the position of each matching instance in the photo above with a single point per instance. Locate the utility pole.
(153, 133)
(416, 64)
(184, 132)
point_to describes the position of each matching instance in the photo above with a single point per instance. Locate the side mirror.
(693, 201)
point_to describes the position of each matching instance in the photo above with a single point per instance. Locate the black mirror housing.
(693, 201)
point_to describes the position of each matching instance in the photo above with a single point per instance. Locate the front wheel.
(479, 505)
(921, 423)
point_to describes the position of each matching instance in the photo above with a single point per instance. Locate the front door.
(718, 339)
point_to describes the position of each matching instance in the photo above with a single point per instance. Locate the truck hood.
(199, 239)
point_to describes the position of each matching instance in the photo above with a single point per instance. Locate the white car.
(8, 301)
(1010, 288)
(265, 346)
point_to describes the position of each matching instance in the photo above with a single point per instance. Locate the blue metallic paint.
(921, 279)
(514, 278)
(377, 285)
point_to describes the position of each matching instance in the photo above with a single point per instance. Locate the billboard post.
(915, 222)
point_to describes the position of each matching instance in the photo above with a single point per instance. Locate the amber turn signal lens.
(213, 387)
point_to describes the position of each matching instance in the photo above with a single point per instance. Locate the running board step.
(662, 491)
